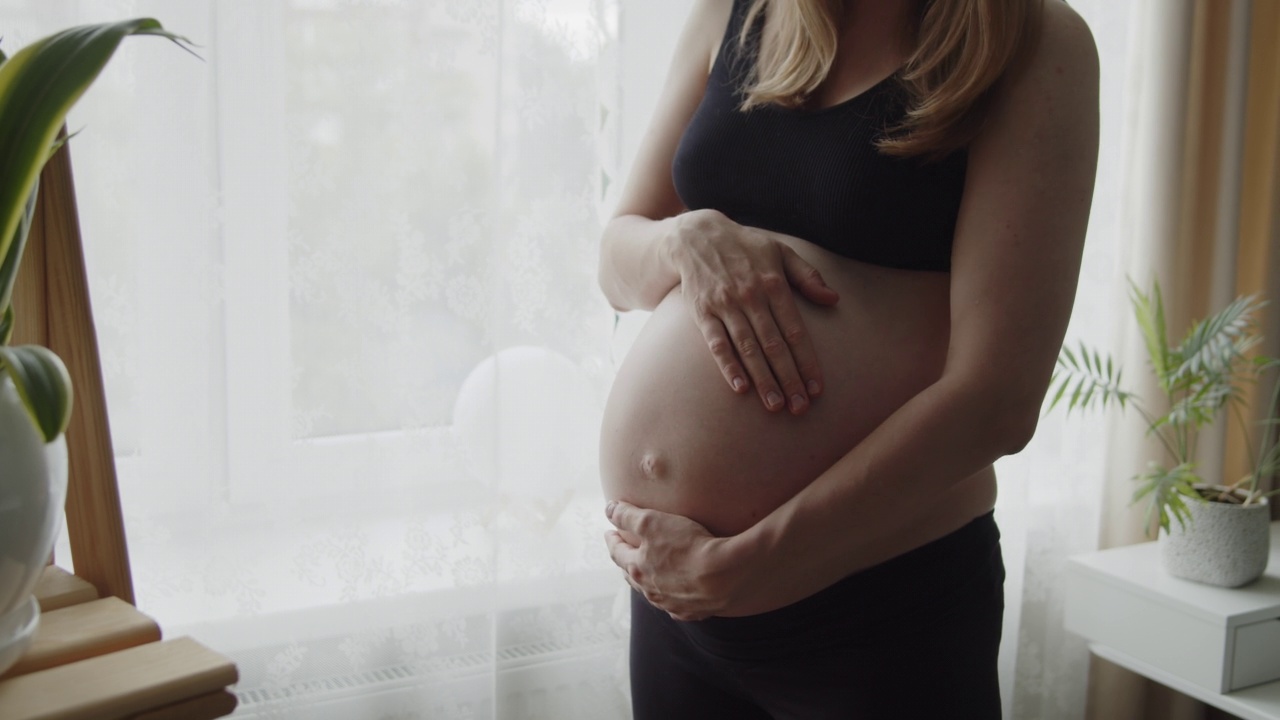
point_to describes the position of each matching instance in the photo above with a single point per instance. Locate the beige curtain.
(1203, 187)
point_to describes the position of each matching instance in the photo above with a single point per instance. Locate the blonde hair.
(962, 48)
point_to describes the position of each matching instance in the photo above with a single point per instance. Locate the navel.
(653, 465)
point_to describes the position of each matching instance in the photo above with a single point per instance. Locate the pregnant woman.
(858, 224)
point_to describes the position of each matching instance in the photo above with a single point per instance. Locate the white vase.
(33, 490)
(1223, 544)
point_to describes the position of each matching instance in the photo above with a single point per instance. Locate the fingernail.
(608, 509)
(773, 399)
(739, 384)
(814, 387)
(797, 402)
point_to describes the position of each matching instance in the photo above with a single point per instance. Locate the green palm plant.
(38, 86)
(1200, 377)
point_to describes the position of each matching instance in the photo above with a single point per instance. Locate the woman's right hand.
(737, 281)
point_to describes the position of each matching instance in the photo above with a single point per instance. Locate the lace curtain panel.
(343, 271)
(344, 274)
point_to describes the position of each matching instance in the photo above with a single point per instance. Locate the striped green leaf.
(1085, 378)
(1148, 310)
(13, 257)
(43, 385)
(38, 86)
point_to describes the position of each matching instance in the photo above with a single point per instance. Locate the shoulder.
(709, 20)
(1063, 56)
(1065, 41)
(1052, 89)
(711, 17)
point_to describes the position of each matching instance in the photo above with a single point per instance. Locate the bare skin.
(926, 379)
(674, 439)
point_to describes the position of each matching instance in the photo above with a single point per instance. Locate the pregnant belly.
(676, 438)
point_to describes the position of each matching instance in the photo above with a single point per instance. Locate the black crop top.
(817, 174)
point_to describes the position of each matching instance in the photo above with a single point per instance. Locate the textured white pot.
(33, 489)
(1223, 544)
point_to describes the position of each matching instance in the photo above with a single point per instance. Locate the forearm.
(888, 482)
(636, 269)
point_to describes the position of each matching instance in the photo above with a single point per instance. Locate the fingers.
(757, 337)
(751, 350)
(626, 517)
(799, 343)
(627, 556)
(624, 554)
(807, 279)
(780, 363)
(713, 331)
(624, 546)
(778, 352)
(632, 523)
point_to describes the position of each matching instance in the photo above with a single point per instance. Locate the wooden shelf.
(102, 659)
(122, 684)
(58, 588)
(83, 631)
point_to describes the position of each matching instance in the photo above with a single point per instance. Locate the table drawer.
(1255, 658)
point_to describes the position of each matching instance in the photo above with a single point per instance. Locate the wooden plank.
(95, 524)
(119, 685)
(58, 588)
(83, 631)
(205, 707)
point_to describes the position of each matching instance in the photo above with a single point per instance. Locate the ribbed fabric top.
(817, 174)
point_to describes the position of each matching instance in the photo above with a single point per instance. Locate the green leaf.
(1066, 359)
(1268, 464)
(1202, 403)
(10, 261)
(1214, 344)
(38, 85)
(6, 325)
(1167, 488)
(43, 384)
(1149, 312)
(1085, 379)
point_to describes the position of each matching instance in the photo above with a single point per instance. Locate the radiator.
(443, 671)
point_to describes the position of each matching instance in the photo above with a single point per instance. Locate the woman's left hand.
(677, 564)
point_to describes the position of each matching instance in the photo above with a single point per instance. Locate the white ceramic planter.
(1223, 544)
(33, 489)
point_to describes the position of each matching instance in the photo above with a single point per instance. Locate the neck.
(879, 26)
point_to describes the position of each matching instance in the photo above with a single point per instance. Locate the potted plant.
(1222, 534)
(38, 86)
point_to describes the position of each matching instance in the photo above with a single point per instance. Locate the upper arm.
(649, 190)
(1020, 232)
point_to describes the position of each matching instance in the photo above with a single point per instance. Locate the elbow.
(1009, 417)
(606, 274)
(617, 307)
(1018, 432)
(1019, 414)
(607, 287)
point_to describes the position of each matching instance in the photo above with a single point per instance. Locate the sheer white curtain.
(344, 277)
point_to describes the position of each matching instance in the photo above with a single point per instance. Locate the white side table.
(1197, 639)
